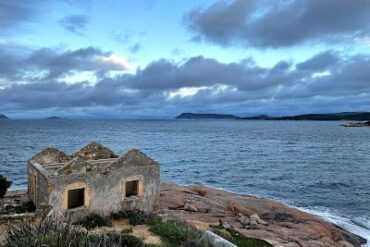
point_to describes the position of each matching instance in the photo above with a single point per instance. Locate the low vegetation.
(127, 230)
(25, 207)
(135, 217)
(4, 185)
(53, 234)
(92, 221)
(175, 232)
(172, 232)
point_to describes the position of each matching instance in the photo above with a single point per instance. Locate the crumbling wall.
(38, 185)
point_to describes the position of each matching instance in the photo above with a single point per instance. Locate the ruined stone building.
(94, 179)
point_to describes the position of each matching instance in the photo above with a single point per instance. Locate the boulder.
(191, 208)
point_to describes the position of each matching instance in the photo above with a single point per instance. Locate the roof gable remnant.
(132, 157)
(50, 156)
(95, 151)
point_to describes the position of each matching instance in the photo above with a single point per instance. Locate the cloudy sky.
(159, 58)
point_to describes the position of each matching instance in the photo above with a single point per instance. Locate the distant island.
(341, 116)
(55, 118)
(2, 116)
(205, 116)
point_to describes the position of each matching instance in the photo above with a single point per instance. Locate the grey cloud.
(10, 61)
(58, 64)
(74, 23)
(14, 12)
(320, 62)
(200, 71)
(269, 23)
(18, 62)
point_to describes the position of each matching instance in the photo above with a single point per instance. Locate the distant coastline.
(205, 116)
(341, 116)
(3, 117)
(55, 118)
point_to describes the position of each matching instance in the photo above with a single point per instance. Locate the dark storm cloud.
(327, 81)
(269, 23)
(74, 23)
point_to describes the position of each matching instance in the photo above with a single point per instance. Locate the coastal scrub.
(4, 185)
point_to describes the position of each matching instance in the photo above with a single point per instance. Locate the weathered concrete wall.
(106, 191)
(38, 185)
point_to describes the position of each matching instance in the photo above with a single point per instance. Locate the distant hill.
(350, 116)
(205, 116)
(55, 118)
(353, 116)
(2, 116)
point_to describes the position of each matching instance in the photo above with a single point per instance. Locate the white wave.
(359, 226)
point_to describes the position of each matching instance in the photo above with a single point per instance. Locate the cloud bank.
(275, 24)
(327, 81)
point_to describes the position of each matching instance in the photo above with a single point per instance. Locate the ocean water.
(318, 167)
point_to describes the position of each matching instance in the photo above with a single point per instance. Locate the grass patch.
(174, 232)
(93, 220)
(240, 240)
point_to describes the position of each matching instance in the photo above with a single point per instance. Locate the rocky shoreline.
(255, 217)
(252, 216)
(357, 124)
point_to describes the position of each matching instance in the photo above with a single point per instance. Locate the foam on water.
(359, 226)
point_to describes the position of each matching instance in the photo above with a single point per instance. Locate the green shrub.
(174, 232)
(127, 230)
(116, 240)
(93, 220)
(239, 239)
(135, 217)
(25, 207)
(4, 185)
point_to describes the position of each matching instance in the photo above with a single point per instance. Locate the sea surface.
(319, 167)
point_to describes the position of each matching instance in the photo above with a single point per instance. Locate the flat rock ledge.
(255, 217)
